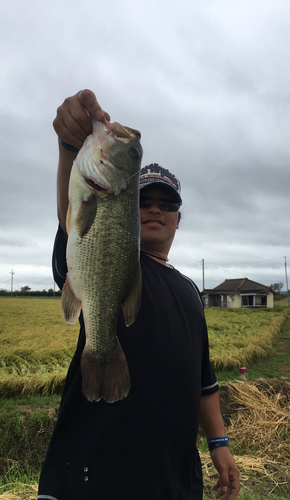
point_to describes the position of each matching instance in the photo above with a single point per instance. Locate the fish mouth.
(93, 185)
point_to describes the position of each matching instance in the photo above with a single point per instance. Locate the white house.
(238, 293)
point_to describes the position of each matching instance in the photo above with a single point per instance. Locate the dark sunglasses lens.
(172, 207)
(167, 206)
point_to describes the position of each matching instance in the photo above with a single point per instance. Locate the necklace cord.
(156, 256)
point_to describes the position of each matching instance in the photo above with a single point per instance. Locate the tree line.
(25, 291)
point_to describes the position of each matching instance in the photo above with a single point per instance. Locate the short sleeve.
(59, 266)
(209, 383)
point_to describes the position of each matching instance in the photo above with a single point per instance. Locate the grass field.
(239, 336)
(36, 348)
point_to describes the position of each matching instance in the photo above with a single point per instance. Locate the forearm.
(211, 420)
(66, 159)
(228, 484)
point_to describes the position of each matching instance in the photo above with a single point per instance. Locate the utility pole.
(12, 273)
(287, 288)
(202, 263)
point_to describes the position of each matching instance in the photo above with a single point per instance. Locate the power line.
(246, 263)
(201, 262)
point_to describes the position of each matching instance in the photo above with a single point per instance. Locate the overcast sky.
(207, 83)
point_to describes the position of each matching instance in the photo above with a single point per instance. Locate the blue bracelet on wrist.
(217, 442)
(68, 146)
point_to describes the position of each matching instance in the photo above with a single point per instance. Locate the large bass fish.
(103, 226)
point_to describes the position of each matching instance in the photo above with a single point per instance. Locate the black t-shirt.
(144, 446)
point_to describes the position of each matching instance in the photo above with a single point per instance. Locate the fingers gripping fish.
(103, 226)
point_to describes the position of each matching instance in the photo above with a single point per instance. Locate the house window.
(263, 300)
(254, 300)
(247, 300)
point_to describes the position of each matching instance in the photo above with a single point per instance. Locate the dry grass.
(281, 302)
(259, 432)
(262, 423)
(259, 467)
(23, 492)
(239, 336)
(45, 385)
(36, 346)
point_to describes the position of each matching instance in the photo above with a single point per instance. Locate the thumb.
(220, 486)
(89, 100)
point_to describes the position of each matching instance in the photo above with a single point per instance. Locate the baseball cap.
(155, 174)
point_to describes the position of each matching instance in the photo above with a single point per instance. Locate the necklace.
(156, 257)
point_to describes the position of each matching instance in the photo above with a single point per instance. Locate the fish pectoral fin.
(68, 218)
(108, 379)
(86, 215)
(131, 304)
(71, 306)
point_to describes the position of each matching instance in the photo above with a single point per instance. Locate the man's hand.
(73, 122)
(227, 486)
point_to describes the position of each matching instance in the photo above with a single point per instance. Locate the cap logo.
(155, 173)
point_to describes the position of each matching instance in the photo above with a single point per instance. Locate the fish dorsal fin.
(131, 304)
(71, 306)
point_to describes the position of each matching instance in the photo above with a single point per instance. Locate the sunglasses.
(166, 205)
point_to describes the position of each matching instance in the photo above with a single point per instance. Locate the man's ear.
(178, 220)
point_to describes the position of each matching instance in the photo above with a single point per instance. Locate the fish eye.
(134, 152)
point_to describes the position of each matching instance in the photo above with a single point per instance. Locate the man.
(144, 446)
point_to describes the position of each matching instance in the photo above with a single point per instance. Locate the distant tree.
(25, 289)
(277, 287)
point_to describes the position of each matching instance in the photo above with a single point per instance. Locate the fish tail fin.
(71, 306)
(107, 379)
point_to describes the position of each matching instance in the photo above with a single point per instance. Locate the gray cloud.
(206, 83)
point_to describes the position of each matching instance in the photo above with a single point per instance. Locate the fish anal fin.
(86, 215)
(71, 306)
(131, 304)
(107, 379)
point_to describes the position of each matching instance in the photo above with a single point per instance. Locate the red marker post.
(244, 372)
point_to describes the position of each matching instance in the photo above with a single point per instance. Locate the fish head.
(110, 158)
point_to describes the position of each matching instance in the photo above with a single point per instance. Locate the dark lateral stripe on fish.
(86, 215)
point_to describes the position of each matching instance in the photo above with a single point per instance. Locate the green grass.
(26, 425)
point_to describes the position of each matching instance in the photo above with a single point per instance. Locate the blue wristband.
(68, 146)
(217, 442)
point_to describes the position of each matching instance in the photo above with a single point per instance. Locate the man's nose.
(154, 207)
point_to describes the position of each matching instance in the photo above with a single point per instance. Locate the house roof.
(242, 285)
